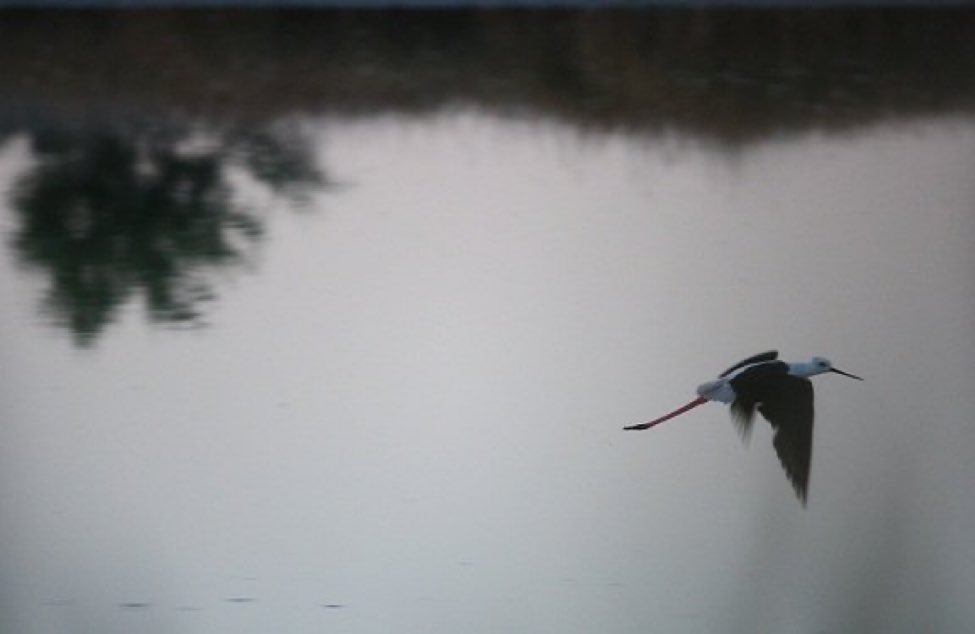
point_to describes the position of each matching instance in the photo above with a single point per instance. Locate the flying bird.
(782, 393)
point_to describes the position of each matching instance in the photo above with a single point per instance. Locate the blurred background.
(330, 320)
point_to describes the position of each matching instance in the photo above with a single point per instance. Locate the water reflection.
(732, 76)
(113, 212)
(415, 411)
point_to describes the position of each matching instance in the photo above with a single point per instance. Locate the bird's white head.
(817, 365)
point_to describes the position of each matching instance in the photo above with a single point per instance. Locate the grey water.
(332, 321)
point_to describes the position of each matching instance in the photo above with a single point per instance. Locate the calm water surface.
(368, 374)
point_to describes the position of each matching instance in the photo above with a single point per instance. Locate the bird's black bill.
(852, 376)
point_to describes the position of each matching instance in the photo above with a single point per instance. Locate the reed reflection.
(114, 211)
(111, 213)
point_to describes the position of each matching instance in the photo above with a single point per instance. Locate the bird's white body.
(720, 389)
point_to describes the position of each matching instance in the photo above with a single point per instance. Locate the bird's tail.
(706, 388)
(717, 390)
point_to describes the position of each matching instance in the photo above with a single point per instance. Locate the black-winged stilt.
(782, 393)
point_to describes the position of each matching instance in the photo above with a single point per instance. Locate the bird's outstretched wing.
(750, 388)
(742, 415)
(788, 406)
(771, 355)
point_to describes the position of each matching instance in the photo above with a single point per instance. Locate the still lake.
(365, 367)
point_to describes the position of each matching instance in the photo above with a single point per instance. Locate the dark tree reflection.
(110, 214)
(113, 212)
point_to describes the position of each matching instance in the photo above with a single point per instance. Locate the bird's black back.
(771, 355)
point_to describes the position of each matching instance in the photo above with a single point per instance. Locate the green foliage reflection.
(110, 214)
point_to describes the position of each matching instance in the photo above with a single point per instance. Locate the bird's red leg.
(677, 412)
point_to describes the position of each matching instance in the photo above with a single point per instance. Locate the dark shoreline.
(730, 75)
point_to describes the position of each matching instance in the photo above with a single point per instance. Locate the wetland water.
(331, 322)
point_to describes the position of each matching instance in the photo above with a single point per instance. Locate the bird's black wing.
(751, 386)
(742, 414)
(788, 405)
(771, 355)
